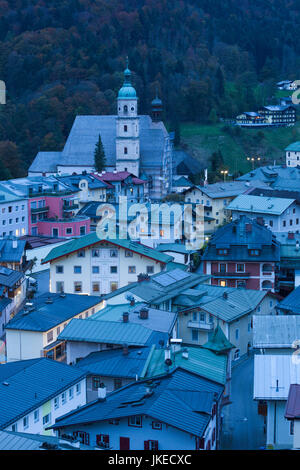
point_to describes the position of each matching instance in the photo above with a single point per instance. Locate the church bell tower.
(127, 132)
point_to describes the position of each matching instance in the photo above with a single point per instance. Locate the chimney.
(144, 314)
(102, 392)
(248, 228)
(125, 350)
(143, 277)
(15, 244)
(175, 344)
(125, 317)
(291, 236)
(167, 353)
(185, 353)
(132, 302)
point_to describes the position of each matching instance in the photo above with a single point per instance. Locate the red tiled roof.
(119, 176)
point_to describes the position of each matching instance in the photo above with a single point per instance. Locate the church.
(139, 144)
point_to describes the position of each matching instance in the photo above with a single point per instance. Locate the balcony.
(230, 275)
(39, 210)
(70, 207)
(200, 325)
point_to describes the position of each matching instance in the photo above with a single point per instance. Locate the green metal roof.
(200, 361)
(218, 342)
(92, 239)
(294, 147)
(260, 204)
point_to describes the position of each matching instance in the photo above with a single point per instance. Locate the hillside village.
(142, 340)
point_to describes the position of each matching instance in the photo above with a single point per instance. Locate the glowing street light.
(253, 160)
(224, 173)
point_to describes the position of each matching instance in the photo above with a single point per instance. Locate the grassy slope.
(201, 141)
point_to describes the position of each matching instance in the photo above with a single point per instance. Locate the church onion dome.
(156, 102)
(127, 91)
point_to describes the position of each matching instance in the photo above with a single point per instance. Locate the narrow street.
(242, 426)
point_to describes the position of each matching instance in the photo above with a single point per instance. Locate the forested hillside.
(60, 58)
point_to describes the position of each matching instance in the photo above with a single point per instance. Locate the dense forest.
(207, 58)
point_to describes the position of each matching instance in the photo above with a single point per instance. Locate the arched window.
(132, 108)
(125, 150)
(266, 285)
(125, 109)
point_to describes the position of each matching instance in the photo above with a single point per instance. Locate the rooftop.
(51, 310)
(227, 189)
(275, 331)
(180, 399)
(292, 410)
(158, 320)
(291, 303)
(9, 277)
(273, 375)
(260, 204)
(294, 147)
(11, 250)
(92, 239)
(26, 385)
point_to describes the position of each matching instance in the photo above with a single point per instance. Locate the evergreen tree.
(99, 156)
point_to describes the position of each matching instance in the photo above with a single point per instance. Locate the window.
(77, 286)
(240, 268)
(254, 252)
(200, 443)
(236, 355)
(59, 269)
(69, 231)
(284, 223)
(14, 427)
(82, 230)
(237, 334)
(113, 253)
(95, 269)
(36, 416)
(63, 398)
(117, 383)
(128, 254)
(47, 419)
(114, 269)
(57, 330)
(156, 425)
(131, 269)
(59, 287)
(202, 316)
(223, 252)
(71, 393)
(113, 286)
(96, 382)
(102, 440)
(241, 284)
(125, 128)
(78, 389)
(55, 232)
(125, 150)
(222, 268)
(81, 254)
(95, 253)
(194, 316)
(25, 422)
(96, 287)
(77, 269)
(135, 421)
(56, 403)
(292, 427)
(194, 335)
(50, 336)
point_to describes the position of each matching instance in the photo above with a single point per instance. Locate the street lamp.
(253, 160)
(224, 173)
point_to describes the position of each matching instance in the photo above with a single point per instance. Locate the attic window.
(254, 252)
(223, 251)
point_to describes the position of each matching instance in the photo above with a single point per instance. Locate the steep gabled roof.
(218, 342)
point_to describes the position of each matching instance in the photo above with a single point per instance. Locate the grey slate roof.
(10, 254)
(291, 303)
(47, 315)
(181, 399)
(25, 385)
(80, 145)
(238, 239)
(110, 332)
(9, 277)
(113, 363)
(275, 331)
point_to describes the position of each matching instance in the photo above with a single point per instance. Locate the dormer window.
(254, 252)
(223, 251)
